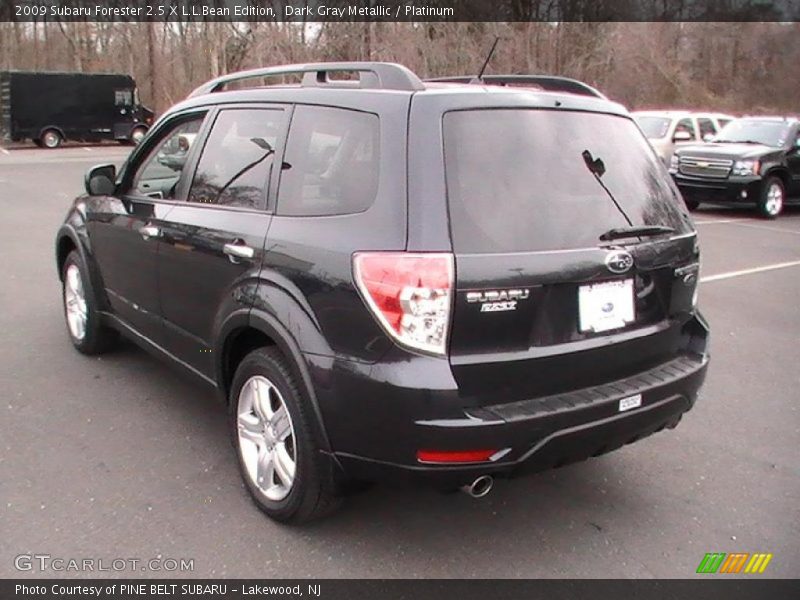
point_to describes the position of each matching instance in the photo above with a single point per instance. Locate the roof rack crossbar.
(372, 75)
(550, 83)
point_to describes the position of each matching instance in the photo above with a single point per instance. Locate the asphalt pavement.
(121, 457)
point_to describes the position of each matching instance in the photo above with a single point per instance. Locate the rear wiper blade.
(641, 231)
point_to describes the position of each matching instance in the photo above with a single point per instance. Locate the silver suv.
(668, 129)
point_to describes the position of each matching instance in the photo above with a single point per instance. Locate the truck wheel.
(51, 139)
(273, 433)
(137, 135)
(770, 204)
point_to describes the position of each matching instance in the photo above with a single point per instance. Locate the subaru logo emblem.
(619, 261)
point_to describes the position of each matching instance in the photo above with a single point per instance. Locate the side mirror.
(99, 180)
(682, 136)
(708, 137)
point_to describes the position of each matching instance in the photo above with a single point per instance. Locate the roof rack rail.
(372, 75)
(550, 83)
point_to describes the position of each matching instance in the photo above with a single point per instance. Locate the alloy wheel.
(75, 303)
(774, 202)
(137, 135)
(266, 438)
(51, 139)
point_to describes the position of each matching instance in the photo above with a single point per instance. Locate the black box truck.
(50, 108)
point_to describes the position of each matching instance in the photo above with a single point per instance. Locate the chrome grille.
(718, 168)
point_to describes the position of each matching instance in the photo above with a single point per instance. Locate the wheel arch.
(245, 331)
(65, 243)
(781, 173)
(69, 238)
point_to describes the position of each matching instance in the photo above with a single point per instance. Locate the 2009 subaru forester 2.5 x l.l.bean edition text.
(386, 279)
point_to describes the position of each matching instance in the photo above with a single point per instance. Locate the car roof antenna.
(479, 78)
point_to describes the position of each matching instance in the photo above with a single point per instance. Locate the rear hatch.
(543, 303)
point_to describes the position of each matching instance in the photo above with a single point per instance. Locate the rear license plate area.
(605, 306)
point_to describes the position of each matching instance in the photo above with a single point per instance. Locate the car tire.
(137, 135)
(276, 441)
(38, 143)
(772, 198)
(84, 324)
(691, 203)
(51, 139)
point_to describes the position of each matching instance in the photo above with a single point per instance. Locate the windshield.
(517, 180)
(769, 133)
(654, 127)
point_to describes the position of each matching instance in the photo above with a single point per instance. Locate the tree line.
(734, 67)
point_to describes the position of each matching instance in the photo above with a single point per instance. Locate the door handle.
(150, 231)
(237, 250)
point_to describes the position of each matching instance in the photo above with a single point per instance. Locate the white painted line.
(4, 151)
(87, 149)
(768, 228)
(715, 222)
(752, 223)
(731, 274)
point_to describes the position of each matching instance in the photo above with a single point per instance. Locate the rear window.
(518, 180)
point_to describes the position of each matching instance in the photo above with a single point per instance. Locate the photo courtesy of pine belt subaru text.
(438, 283)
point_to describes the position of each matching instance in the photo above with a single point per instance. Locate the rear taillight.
(410, 294)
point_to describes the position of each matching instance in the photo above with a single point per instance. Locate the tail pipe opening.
(480, 487)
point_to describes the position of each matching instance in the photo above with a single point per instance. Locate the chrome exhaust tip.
(480, 487)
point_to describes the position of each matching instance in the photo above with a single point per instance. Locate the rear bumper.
(379, 441)
(734, 189)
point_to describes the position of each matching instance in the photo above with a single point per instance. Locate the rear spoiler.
(550, 83)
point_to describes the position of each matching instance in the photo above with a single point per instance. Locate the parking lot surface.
(122, 457)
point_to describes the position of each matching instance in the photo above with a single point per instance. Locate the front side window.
(332, 161)
(237, 158)
(123, 97)
(161, 171)
(521, 180)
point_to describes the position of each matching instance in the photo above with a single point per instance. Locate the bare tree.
(729, 66)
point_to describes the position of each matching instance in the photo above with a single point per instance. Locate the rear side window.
(654, 127)
(518, 180)
(331, 162)
(237, 158)
(706, 127)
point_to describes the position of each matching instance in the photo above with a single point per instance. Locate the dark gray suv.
(395, 280)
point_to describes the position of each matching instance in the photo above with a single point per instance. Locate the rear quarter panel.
(306, 280)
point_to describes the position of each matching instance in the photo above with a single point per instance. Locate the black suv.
(397, 280)
(753, 160)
